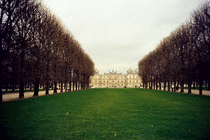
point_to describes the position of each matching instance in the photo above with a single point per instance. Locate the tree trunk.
(200, 86)
(156, 85)
(47, 87)
(168, 86)
(159, 85)
(189, 86)
(182, 86)
(30, 87)
(164, 86)
(178, 84)
(73, 85)
(55, 88)
(76, 86)
(65, 85)
(174, 86)
(69, 86)
(61, 86)
(208, 84)
(21, 88)
(194, 84)
(36, 88)
(13, 86)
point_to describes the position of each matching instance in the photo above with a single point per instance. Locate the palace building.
(115, 80)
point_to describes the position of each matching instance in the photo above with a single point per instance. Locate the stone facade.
(115, 80)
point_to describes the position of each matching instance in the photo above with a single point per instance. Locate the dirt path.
(196, 92)
(193, 91)
(15, 96)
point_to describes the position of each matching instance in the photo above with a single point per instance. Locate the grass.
(107, 114)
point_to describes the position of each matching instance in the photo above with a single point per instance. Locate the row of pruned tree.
(37, 49)
(181, 58)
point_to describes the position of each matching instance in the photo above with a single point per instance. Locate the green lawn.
(107, 114)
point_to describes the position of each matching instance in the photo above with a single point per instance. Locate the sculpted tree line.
(181, 58)
(36, 49)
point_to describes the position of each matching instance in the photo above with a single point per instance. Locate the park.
(49, 86)
(130, 113)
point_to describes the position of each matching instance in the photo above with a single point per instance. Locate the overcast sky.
(116, 34)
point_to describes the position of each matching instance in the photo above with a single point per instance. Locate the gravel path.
(193, 91)
(196, 92)
(15, 96)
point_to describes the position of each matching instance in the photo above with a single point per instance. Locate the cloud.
(117, 34)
